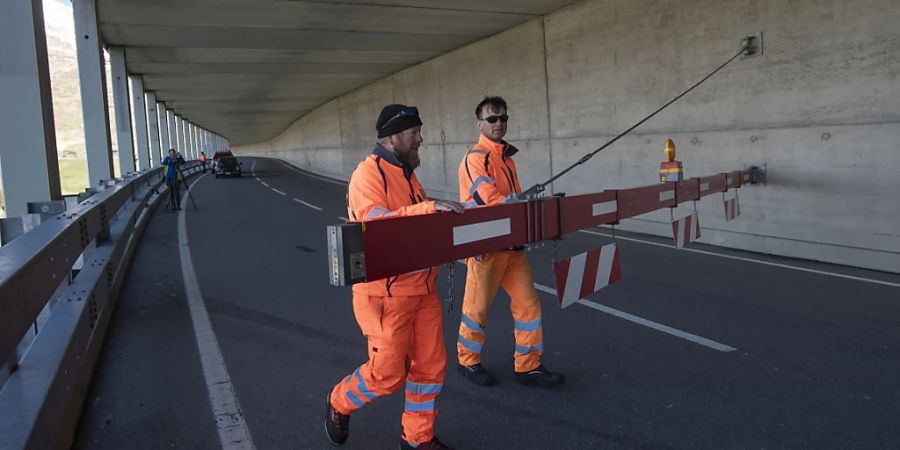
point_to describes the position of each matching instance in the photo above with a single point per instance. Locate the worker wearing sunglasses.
(488, 176)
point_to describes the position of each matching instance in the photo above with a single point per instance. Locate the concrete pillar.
(153, 124)
(163, 129)
(28, 166)
(179, 134)
(173, 140)
(189, 138)
(195, 145)
(93, 91)
(140, 122)
(122, 106)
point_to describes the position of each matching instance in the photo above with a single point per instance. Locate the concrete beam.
(28, 167)
(92, 76)
(153, 124)
(140, 122)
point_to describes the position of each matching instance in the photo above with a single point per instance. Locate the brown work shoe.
(433, 444)
(337, 425)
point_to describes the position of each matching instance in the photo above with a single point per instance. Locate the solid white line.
(230, 424)
(647, 323)
(265, 184)
(257, 178)
(307, 204)
(659, 327)
(278, 192)
(344, 219)
(640, 320)
(756, 261)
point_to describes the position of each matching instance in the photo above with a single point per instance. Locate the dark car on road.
(228, 166)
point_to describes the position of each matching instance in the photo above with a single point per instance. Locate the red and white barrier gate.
(586, 273)
(376, 249)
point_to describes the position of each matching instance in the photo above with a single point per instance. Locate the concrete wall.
(819, 108)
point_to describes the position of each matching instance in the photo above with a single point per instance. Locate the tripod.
(174, 200)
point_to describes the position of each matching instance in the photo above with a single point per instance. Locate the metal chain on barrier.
(450, 289)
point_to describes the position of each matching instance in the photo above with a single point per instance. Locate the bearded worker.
(488, 176)
(399, 315)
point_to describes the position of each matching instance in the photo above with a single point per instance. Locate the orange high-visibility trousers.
(511, 270)
(398, 329)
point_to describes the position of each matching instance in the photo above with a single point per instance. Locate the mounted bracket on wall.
(754, 44)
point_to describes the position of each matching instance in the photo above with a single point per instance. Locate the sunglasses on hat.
(493, 119)
(409, 111)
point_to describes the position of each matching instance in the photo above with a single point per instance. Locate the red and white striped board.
(732, 209)
(586, 273)
(686, 230)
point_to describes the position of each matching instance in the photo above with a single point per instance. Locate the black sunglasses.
(409, 111)
(493, 119)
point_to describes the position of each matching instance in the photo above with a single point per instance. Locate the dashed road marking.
(307, 204)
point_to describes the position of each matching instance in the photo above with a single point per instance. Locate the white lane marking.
(344, 219)
(307, 204)
(257, 178)
(756, 261)
(312, 175)
(659, 327)
(265, 184)
(639, 320)
(600, 209)
(278, 192)
(230, 424)
(647, 323)
(465, 234)
(666, 195)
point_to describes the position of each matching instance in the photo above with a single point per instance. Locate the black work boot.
(433, 444)
(540, 376)
(476, 374)
(337, 425)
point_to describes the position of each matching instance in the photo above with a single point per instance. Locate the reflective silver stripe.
(377, 211)
(423, 388)
(479, 151)
(472, 324)
(478, 181)
(480, 231)
(599, 209)
(532, 325)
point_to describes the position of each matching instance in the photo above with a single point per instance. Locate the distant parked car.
(228, 166)
(215, 159)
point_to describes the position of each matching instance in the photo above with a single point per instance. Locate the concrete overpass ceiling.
(249, 68)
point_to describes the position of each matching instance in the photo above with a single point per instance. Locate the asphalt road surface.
(707, 349)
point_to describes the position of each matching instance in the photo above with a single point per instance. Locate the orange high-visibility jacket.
(382, 186)
(487, 174)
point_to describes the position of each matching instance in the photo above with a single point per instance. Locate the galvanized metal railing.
(42, 398)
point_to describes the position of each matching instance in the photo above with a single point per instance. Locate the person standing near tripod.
(172, 162)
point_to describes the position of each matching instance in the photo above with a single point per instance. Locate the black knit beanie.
(386, 127)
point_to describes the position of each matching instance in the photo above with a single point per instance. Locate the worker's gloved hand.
(447, 205)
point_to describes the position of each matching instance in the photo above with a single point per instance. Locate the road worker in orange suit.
(488, 176)
(400, 315)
